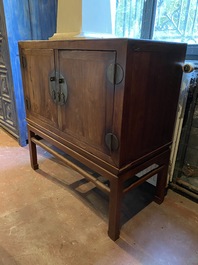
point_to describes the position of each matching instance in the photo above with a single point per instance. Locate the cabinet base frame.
(116, 189)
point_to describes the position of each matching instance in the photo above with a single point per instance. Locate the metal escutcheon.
(58, 88)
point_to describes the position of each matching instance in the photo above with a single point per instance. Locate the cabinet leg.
(33, 151)
(115, 200)
(161, 185)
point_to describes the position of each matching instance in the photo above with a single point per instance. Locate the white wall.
(96, 16)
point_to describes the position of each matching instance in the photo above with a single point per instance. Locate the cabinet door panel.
(87, 113)
(38, 64)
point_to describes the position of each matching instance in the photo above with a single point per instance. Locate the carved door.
(8, 118)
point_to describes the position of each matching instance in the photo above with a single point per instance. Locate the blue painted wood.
(42, 18)
(26, 20)
(18, 27)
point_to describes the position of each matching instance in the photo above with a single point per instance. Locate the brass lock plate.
(58, 88)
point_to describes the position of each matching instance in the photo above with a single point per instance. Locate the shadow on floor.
(133, 202)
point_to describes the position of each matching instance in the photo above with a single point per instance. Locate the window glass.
(176, 20)
(128, 20)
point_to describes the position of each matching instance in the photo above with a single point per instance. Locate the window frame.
(148, 21)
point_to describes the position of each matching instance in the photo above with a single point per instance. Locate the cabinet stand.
(116, 188)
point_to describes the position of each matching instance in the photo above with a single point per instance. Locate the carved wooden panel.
(7, 103)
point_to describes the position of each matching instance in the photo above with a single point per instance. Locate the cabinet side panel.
(151, 96)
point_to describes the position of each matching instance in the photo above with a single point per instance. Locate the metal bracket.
(115, 74)
(111, 141)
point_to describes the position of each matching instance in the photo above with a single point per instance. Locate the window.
(172, 20)
(177, 20)
(166, 20)
(129, 15)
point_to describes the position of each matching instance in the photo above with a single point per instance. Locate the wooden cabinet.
(109, 103)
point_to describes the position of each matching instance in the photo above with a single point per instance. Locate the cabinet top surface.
(112, 43)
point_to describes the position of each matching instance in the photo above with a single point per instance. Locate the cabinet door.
(37, 65)
(86, 116)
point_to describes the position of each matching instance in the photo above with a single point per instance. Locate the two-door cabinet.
(108, 103)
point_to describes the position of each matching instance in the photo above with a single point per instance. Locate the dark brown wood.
(33, 151)
(109, 103)
(144, 178)
(77, 168)
(85, 116)
(115, 201)
(161, 184)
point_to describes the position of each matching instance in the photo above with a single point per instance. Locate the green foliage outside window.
(175, 20)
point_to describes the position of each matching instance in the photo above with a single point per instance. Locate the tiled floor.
(50, 217)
